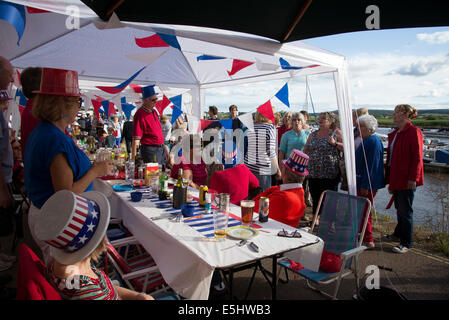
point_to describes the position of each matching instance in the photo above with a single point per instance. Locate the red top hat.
(59, 82)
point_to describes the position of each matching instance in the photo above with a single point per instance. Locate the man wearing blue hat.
(147, 129)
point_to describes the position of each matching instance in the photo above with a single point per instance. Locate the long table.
(187, 255)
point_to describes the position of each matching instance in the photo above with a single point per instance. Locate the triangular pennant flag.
(117, 101)
(205, 123)
(162, 104)
(121, 86)
(136, 88)
(177, 100)
(105, 105)
(286, 66)
(147, 57)
(96, 105)
(111, 109)
(282, 95)
(247, 120)
(262, 66)
(207, 57)
(238, 65)
(127, 109)
(171, 40)
(22, 98)
(227, 124)
(32, 10)
(176, 113)
(15, 15)
(267, 110)
(154, 41)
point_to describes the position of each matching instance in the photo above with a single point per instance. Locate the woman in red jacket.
(404, 171)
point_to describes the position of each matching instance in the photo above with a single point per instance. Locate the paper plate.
(124, 187)
(242, 232)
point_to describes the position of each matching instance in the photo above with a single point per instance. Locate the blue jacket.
(374, 150)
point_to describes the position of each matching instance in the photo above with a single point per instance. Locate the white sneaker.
(5, 265)
(400, 249)
(6, 258)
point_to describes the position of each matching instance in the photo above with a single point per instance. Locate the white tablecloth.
(186, 262)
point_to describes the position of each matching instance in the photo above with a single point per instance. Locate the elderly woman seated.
(287, 200)
(191, 163)
(236, 179)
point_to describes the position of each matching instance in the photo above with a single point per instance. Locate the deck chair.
(31, 281)
(135, 267)
(340, 222)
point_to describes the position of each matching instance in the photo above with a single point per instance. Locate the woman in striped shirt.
(260, 151)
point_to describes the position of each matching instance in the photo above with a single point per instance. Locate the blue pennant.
(177, 100)
(176, 113)
(282, 95)
(206, 57)
(286, 66)
(14, 14)
(170, 40)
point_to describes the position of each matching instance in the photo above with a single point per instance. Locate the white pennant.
(247, 120)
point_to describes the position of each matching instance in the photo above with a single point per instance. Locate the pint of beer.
(247, 207)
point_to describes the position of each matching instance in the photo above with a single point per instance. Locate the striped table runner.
(204, 225)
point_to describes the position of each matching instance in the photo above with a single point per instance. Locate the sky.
(386, 68)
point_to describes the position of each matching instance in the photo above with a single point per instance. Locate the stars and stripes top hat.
(230, 155)
(73, 225)
(4, 95)
(297, 162)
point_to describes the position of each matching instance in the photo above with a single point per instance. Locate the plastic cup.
(220, 224)
(247, 209)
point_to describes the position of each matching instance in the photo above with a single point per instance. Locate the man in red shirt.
(147, 129)
(287, 200)
(31, 81)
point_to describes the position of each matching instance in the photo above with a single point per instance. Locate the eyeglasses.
(154, 100)
(293, 234)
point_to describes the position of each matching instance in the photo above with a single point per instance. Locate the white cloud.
(434, 38)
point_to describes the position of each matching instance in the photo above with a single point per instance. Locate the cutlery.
(238, 244)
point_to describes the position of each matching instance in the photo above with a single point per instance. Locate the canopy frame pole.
(301, 13)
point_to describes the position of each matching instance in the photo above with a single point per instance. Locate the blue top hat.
(148, 91)
(230, 155)
(297, 162)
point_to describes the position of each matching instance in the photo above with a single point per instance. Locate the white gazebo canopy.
(109, 52)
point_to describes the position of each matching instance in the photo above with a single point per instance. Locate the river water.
(427, 209)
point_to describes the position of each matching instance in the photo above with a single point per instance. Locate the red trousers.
(368, 237)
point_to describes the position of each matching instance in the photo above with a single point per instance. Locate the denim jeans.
(403, 201)
(264, 181)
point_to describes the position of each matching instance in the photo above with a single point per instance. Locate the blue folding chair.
(341, 216)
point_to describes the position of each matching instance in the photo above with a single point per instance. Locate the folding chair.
(31, 281)
(135, 266)
(340, 222)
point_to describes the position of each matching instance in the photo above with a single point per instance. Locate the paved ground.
(417, 275)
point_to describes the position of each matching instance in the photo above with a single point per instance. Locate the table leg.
(274, 279)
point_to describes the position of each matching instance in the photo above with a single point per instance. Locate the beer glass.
(247, 209)
(220, 224)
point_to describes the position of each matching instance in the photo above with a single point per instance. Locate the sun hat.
(4, 95)
(73, 225)
(148, 91)
(230, 155)
(297, 162)
(59, 82)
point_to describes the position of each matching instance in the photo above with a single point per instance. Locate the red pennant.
(205, 123)
(111, 109)
(36, 10)
(153, 41)
(267, 111)
(162, 104)
(99, 98)
(21, 108)
(238, 65)
(97, 105)
(110, 90)
(136, 88)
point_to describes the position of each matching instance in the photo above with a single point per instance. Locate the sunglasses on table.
(293, 234)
